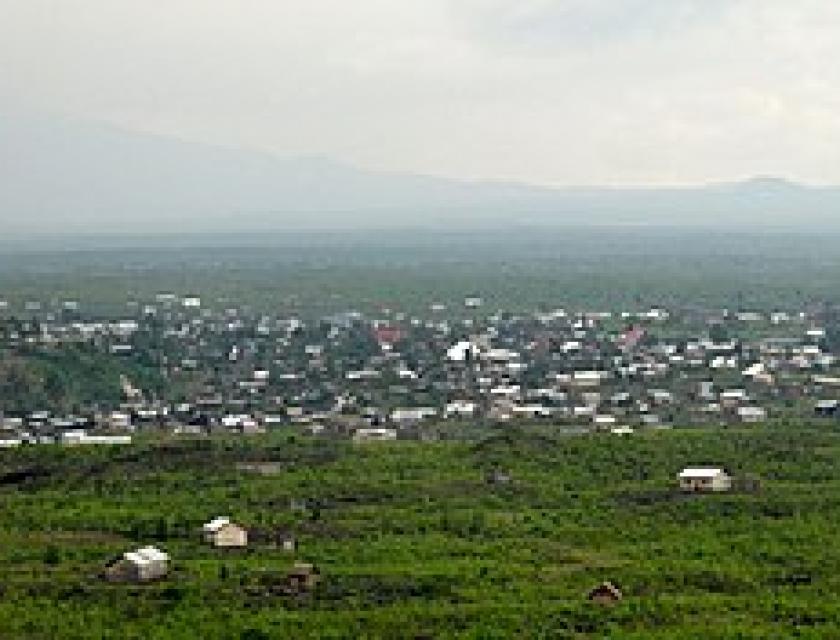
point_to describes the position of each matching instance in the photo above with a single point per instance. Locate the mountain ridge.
(62, 176)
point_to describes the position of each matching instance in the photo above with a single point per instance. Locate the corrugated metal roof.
(701, 472)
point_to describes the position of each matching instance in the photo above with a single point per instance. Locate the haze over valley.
(59, 175)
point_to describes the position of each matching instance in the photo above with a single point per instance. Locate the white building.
(623, 430)
(752, 414)
(221, 532)
(142, 565)
(374, 435)
(461, 351)
(405, 417)
(460, 408)
(80, 436)
(697, 479)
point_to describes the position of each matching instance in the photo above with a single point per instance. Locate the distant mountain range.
(60, 176)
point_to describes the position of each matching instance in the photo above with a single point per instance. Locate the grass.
(413, 542)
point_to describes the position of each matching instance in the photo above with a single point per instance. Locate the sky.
(555, 92)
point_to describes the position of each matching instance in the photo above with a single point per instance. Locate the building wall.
(720, 482)
(230, 536)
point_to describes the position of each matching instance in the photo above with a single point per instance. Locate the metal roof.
(701, 472)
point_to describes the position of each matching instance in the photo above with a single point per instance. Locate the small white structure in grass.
(623, 430)
(143, 565)
(698, 479)
(221, 532)
(374, 434)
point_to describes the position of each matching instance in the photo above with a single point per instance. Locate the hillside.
(412, 541)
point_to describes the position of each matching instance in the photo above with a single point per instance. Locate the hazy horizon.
(567, 92)
(15, 115)
(126, 117)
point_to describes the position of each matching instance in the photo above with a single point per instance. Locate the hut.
(221, 532)
(143, 565)
(498, 477)
(286, 541)
(605, 593)
(704, 479)
(302, 577)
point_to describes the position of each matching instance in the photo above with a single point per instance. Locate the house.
(143, 565)
(411, 416)
(706, 390)
(221, 532)
(826, 381)
(302, 577)
(623, 430)
(730, 398)
(531, 411)
(661, 396)
(588, 378)
(621, 399)
(752, 414)
(460, 408)
(605, 593)
(604, 421)
(286, 541)
(106, 439)
(702, 479)
(650, 419)
(498, 477)
(827, 408)
(80, 436)
(462, 351)
(374, 434)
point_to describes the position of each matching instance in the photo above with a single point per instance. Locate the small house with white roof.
(143, 565)
(703, 479)
(221, 532)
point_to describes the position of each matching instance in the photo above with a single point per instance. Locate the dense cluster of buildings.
(374, 376)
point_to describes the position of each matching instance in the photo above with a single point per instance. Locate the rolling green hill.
(412, 541)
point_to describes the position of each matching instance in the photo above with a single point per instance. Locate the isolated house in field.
(605, 593)
(286, 541)
(302, 577)
(498, 477)
(143, 565)
(221, 532)
(704, 479)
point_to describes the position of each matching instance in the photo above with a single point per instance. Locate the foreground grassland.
(413, 541)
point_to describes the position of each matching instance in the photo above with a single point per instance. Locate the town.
(180, 364)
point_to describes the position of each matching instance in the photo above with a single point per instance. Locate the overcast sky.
(544, 91)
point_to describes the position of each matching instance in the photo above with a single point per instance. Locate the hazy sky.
(546, 91)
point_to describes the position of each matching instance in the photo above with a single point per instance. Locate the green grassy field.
(413, 542)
